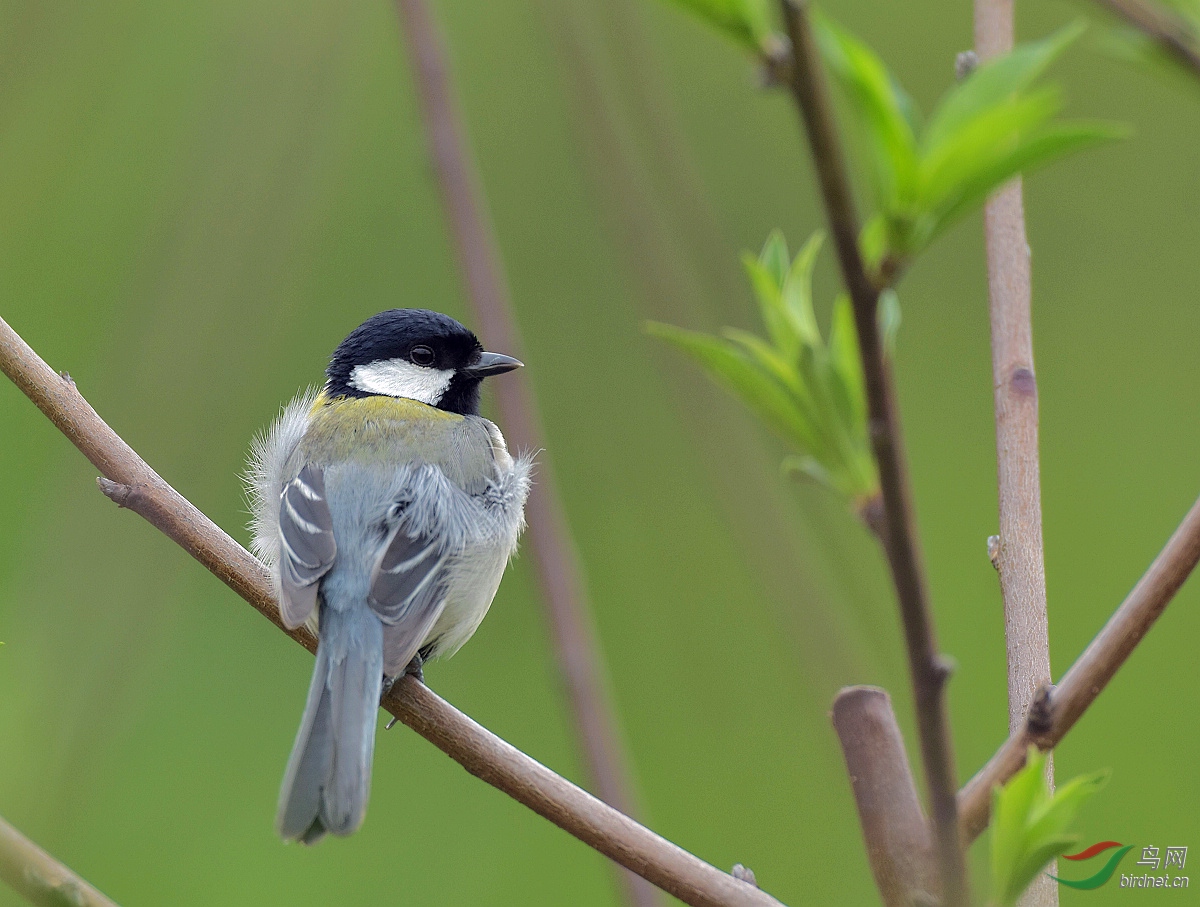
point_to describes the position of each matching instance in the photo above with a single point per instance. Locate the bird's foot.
(414, 669)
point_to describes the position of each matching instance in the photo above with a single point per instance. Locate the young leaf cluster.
(991, 126)
(1029, 824)
(807, 391)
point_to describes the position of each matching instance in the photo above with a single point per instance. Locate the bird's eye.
(421, 355)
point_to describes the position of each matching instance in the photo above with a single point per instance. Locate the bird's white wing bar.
(408, 578)
(408, 592)
(307, 545)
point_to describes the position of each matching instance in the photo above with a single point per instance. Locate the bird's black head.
(417, 354)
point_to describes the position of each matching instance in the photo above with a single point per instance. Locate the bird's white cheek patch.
(400, 378)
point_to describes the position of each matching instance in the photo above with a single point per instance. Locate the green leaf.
(988, 136)
(1031, 153)
(816, 372)
(733, 369)
(812, 410)
(994, 82)
(848, 390)
(845, 354)
(991, 127)
(774, 257)
(809, 392)
(1029, 824)
(768, 358)
(881, 104)
(797, 291)
(747, 22)
(1052, 816)
(1033, 862)
(770, 304)
(1010, 808)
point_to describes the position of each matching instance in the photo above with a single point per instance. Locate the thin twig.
(130, 482)
(1020, 557)
(1055, 710)
(1164, 26)
(41, 879)
(895, 830)
(549, 537)
(928, 669)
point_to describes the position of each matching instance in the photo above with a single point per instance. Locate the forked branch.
(130, 482)
(928, 669)
(1055, 710)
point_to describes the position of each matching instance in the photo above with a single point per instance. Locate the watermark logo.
(1106, 871)
(1171, 857)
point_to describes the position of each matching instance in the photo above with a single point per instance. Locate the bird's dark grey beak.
(493, 364)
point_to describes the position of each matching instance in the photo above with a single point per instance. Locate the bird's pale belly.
(473, 584)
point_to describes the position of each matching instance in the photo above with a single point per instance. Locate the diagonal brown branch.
(131, 483)
(1055, 710)
(928, 669)
(556, 563)
(1163, 26)
(1019, 557)
(41, 879)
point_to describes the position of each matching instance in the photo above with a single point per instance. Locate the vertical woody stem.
(1020, 556)
(556, 563)
(929, 671)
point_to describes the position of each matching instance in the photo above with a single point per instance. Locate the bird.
(386, 508)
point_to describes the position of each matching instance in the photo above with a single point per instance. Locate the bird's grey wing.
(408, 592)
(307, 545)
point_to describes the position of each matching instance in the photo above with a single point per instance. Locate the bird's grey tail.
(328, 777)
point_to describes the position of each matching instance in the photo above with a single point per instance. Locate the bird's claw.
(414, 669)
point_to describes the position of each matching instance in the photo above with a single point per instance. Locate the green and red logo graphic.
(1106, 871)
(1153, 858)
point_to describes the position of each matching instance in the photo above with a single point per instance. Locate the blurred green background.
(197, 201)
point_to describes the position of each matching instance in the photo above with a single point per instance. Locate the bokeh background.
(197, 201)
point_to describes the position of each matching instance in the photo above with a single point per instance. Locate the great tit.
(387, 509)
